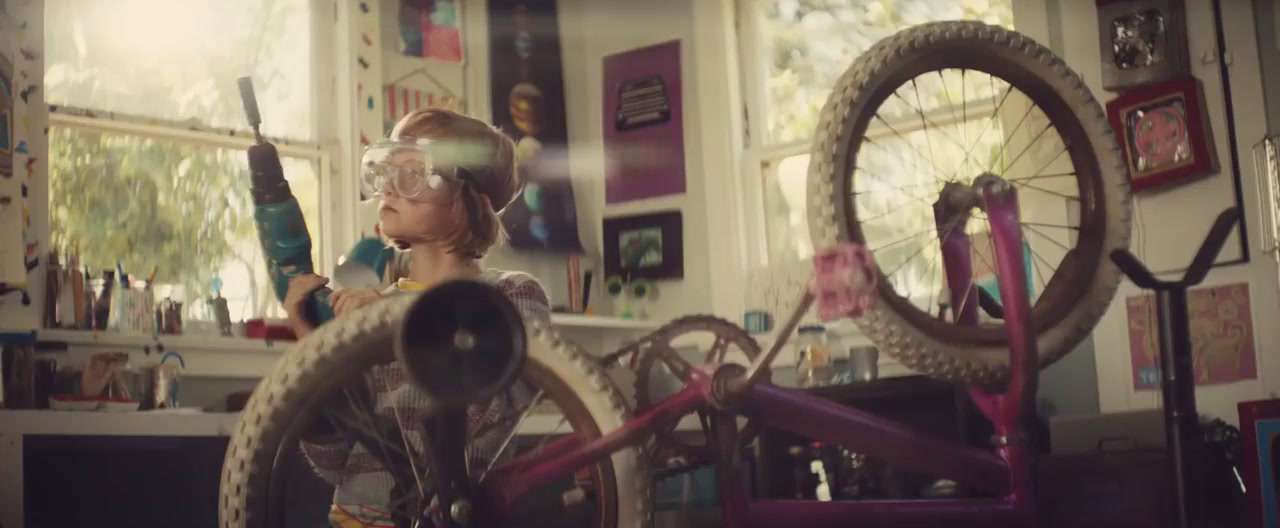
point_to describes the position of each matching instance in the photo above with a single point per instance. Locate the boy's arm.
(527, 294)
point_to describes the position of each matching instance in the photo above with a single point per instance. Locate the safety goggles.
(422, 170)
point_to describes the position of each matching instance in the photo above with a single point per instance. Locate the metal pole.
(1182, 427)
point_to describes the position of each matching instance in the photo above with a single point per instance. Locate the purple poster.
(643, 129)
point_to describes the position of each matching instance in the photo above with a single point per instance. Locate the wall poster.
(528, 104)
(1222, 338)
(643, 124)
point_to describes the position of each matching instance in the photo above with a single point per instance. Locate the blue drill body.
(282, 230)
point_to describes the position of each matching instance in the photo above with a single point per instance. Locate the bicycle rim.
(865, 120)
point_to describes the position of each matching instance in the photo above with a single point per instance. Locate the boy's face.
(425, 216)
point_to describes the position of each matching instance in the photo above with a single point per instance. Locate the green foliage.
(809, 43)
(148, 204)
(179, 207)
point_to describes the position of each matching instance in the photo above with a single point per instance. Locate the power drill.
(282, 230)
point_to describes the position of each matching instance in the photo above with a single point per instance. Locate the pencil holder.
(132, 311)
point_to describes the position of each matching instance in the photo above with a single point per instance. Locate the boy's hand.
(344, 301)
(295, 300)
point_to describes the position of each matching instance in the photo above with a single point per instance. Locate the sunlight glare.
(159, 29)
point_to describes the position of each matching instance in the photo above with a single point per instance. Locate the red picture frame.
(1253, 413)
(1163, 134)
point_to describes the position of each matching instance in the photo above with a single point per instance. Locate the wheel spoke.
(936, 170)
(1047, 237)
(964, 114)
(925, 123)
(983, 132)
(1046, 176)
(1035, 263)
(942, 237)
(563, 420)
(417, 475)
(932, 270)
(928, 143)
(1025, 185)
(368, 427)
(1037, 224)
(964, 301)
(502, 448)
(1039, 135)
(906, 238)
(718, 351)
(873, 176)
(1000, 155)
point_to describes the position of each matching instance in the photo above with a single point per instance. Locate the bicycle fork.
(1006, 410)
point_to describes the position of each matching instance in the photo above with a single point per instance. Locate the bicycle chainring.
(655, 346)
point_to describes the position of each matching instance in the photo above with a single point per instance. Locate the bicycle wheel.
(261, 485)
(874, 179)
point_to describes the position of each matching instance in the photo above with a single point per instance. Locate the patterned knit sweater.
(362, 485)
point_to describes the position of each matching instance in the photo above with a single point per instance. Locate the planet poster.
(528, 104)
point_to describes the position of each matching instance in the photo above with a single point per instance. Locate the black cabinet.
(935, 407)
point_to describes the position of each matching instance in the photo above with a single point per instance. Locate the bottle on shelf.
(813, 357)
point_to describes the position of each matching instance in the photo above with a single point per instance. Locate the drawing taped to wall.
(431, 29)
(1222, 337)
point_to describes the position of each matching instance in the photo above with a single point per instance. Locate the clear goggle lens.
(403, 165)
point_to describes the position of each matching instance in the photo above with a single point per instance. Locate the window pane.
(182, 208)
(785, 197)
(897, 181)
(179, 60)
(806, 45)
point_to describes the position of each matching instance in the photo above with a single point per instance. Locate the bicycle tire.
(326, 357)
(981, 47)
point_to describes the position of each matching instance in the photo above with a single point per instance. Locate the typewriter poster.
(643, 129)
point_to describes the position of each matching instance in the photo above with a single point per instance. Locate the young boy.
(442, 178)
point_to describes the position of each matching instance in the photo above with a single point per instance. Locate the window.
(788, 74)
(143, 167)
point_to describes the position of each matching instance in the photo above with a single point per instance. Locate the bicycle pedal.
(844, 281)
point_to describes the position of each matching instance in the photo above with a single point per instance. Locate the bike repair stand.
(1181, 421)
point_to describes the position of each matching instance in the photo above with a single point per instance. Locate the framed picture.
(647, 246)
(1142, 42)
(1163, 133)
(1260, 443)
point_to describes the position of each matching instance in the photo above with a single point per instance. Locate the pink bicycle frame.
(1004, 474)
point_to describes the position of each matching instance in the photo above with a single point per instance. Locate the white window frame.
(169, 132)
(337, 229)
(760, 156)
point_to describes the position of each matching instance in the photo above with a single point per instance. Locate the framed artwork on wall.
(1141, 41)
(1163, 133)
(649, 246)
(1260, 445)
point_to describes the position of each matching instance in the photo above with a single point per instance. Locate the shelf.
(165, 423)
(241, 344)
(142, 423)
(602, 322)
(173, 342)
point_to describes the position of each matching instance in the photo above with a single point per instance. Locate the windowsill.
(217, 343)
(161, 423)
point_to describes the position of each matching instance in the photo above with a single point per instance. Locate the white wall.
(591, 30)
(1170, 226)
